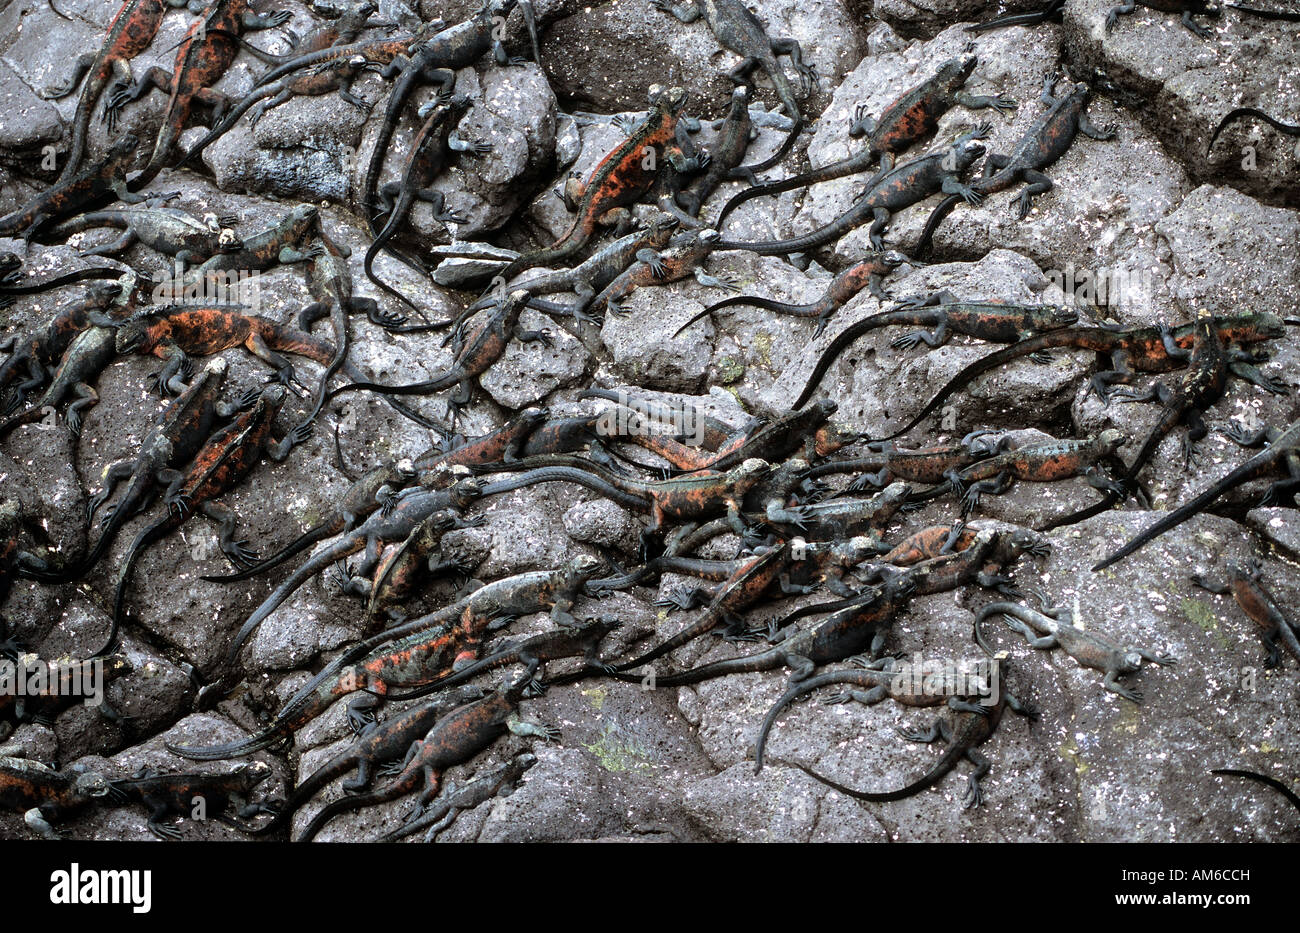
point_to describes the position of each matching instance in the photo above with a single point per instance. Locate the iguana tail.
(96, 81)
(767, 304)
(143, 539)
(1262, 779)
(1267, 14)
(399, 787)
(254, 743)
(228, 121)
(786, 94)
(941, 767)
(1255, 466)
(70, 278)
(349, 545)
(1287, 128)
(797, 690)
(396, 215)
(776, 156)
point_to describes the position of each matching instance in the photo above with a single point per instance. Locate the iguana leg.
(866, 697)
(158, 811)
(806, 72)
(950, 542)
(1038, 183)
(1252, 374)
(1196, 430)
(436, 828)
(36, 378)
(361, 780)
(1114, 686)
(939, 729)
(1164, 660)
(1220, 589)
(861, 122)
(1092, 131)
(237, 551)
(725, 282)
(687, 12)
(283, 368)
(311, 314)
(876, 233)
(997, 487)
(932, 339)
(279, 451)
(169, 378)
(155, 77)
(1046, 642)
(835, 583)
(994, 163)
(269, 104)
(458, 400)
(974, 796)
(79, 69)
(981, 101)
(114, 475)
(437, 200)
(1272, 657)
(1193, 25)
(174, 480)
(361, 713)
(87, 397)
(801, 668)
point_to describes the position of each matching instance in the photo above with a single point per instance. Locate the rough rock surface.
(1168, 229)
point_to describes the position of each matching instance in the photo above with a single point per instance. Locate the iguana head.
(1130, 661)
(273, 396)
(91, 784)
(584, 566)
(955, 71)
(464, 492)
(1109, 441)
(1024, 541)
(859, 547)
(753, 469)
(892, 258)
(1057, 315)
(252, 773)
(965, 152)
(894, 494)
(822, 409)
(405, 469)
(669, 100)
(9, 262)
(533, 415)
(1268, 326)
(103, 293)
(131, 335)
(304, 215)
(228, 241)
(898, 584)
